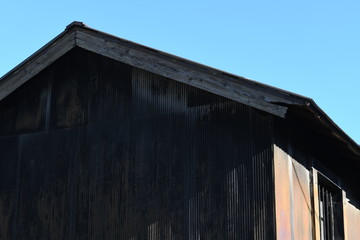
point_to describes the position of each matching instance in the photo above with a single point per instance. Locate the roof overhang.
(257, 95)
(260, 96)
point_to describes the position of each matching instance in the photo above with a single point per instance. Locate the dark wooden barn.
(102, 138)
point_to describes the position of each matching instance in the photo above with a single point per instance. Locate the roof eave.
(209, 79)
(38, 61)
(263, 97)
(239, 89)
(335, 130)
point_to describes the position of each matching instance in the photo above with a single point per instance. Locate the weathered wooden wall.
(95, 149)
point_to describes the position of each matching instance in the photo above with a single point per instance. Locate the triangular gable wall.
(251, 93)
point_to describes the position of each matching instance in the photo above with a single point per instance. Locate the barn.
(103, 138)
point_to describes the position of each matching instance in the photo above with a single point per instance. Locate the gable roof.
(261, 96)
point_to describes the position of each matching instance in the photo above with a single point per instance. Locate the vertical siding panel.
(302, 202)
(9, 186)
(142, 157)
(282, 194)
(256, 208)
(352, 215)
(294, 208)
(261, 127)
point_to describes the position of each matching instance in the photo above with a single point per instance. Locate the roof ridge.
(75, 23)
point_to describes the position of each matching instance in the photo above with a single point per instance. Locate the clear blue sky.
(308, 47)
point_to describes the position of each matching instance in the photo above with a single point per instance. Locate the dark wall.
(95, 149)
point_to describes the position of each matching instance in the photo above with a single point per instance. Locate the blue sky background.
(310, 47)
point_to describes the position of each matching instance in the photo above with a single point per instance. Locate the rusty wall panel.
(126, 154)
(352, 214)
(283, 193)
(302, 201)
(302, 155)
(292, 194)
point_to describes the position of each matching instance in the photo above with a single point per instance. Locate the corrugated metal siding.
(299, 156)
(126, 154)
(8, 185)
(294, 210)
(352, 215)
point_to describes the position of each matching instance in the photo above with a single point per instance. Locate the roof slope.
(240, 89)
